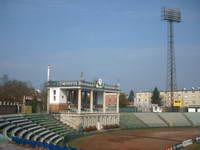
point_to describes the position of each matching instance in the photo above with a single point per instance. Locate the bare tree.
(15, 90)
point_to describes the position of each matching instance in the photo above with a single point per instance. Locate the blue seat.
(51, 146)
(73, 148)
(41, 144)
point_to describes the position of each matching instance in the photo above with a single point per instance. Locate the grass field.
(140, 139)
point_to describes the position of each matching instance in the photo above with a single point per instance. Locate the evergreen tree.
(131, 96)
(155, 98)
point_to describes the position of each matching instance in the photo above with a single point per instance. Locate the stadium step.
(188, 120)
(58, 140)
(47, 136)
(13, 132)
(52, 138)
(164, 120)
(4, 124)
(6, 129)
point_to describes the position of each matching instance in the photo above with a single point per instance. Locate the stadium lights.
(171, 14)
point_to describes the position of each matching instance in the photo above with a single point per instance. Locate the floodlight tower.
(171, 15)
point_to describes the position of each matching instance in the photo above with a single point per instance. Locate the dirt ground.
(141, 139)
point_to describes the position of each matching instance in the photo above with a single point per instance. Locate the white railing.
(89, 119)
(80, 83)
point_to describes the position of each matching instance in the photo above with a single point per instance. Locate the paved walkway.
(6, 145)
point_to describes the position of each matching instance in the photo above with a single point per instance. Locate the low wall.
(8, 109)
(89, 119)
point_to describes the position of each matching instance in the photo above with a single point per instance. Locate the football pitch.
(137, 139)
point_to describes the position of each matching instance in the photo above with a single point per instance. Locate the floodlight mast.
(171, 15)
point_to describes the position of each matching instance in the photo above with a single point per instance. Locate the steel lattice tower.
(171, 15)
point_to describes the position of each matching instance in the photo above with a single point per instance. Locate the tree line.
(13, 90)
(155, 98)
(124, 100)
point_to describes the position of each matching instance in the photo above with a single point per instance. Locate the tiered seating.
(58, 140)
(194, 117)
(40, 134)
(14, 131)
(56, 128)
(151, 119)
(129, 120)
(3, 123)
(175, 119)
(7, 128)
(27, 129)
(34, 132)
(9, 123)
(53, 138)
(35, 127)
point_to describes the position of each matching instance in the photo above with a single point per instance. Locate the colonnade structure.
(84, 103)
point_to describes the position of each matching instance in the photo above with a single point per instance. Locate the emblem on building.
(99, 83)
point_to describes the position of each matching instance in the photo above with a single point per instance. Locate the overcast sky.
(121, 41)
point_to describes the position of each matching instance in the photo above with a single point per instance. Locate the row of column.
(91, 102)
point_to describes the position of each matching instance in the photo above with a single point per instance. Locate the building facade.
(82, 96)
(182, 98)
(82, 103)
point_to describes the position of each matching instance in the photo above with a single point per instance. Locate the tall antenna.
(171, 15)
(49, 73)
(82, 76)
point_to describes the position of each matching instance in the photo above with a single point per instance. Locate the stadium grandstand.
(165, 119)
(36, 127)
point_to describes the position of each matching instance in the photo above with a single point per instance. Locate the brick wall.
(58, 107)
(111, 99)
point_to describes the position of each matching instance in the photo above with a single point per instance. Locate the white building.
(83, 102)
(186, 98)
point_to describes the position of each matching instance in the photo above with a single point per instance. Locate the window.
(54, 92)
(54, 98)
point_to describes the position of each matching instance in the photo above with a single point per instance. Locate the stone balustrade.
(89, 119)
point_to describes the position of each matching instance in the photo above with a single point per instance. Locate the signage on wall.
(99, 83)
(187, 142)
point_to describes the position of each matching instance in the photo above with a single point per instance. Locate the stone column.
(66, 97)
(104, 102)
(91, 101)
(117, 109)
(48, 100)
(79, 101)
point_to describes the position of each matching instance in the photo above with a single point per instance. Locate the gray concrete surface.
(6, 145)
